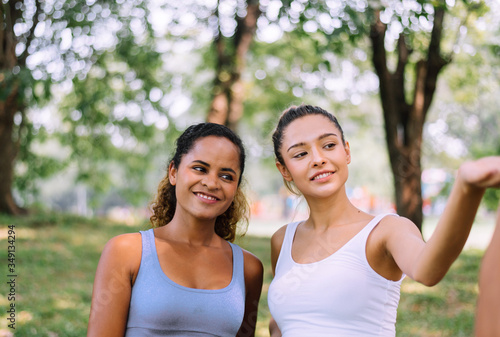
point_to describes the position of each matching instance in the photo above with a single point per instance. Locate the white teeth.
(205, 196)
(322, 175)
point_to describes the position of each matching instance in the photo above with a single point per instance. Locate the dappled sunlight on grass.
(445, 310)
(63, 303)
(3, 300)
(6, 333)
(412, 287)
(24, 317)
(25, 233)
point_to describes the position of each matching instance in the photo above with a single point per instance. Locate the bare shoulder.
(278, 237)
(253, 270)
(250, 257)
(394, 227)
(124, 243)
(124, 250)
(253, 265)
(395, 222)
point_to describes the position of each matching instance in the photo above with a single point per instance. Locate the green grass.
(56, 258)
(446, 309)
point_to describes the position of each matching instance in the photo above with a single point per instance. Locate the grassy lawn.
(56, 257)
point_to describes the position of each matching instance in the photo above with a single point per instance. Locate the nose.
(210, 181)
(317, 158)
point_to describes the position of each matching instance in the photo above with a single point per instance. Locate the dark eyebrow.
(295, 145)
(208, 165)
(325, 135)
(201, 162)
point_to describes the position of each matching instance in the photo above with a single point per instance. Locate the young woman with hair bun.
(339, 272)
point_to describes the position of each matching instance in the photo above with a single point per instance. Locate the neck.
(192, 231)
(331, 211)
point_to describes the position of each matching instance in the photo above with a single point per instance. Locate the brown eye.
(300, 155)
(227, 177)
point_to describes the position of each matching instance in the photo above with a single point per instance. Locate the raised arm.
(254, 272)
(428, 262)
(488, 305)
(116, 270)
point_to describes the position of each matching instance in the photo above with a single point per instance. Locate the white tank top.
(340, 295)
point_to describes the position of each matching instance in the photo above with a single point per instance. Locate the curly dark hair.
(287, 117)
(164, 204)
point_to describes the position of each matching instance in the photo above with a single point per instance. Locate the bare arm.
(274, 330)
(254, 272)
(276, 243)
(488, 306)
(428, 262)
(112, 286)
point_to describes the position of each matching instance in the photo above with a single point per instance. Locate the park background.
(93, 94)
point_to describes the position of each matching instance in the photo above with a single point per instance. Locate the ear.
(348, 152)
(284, 171)
(172, 173)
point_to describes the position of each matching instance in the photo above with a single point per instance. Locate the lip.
(206, 197)
(329, 174)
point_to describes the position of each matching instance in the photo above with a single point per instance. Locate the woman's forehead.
(309, 127)
(215, 148)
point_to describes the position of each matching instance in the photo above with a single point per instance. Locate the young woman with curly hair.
(184, 276)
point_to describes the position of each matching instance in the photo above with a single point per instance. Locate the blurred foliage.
(464, 121)
(120, 79)
(92, 87)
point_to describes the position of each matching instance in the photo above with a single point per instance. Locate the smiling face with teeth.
(314, 157)
(207, 178)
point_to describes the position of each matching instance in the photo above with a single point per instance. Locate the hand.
(482, 173)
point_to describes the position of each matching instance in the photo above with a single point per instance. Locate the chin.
(323, 194)
(208, 216)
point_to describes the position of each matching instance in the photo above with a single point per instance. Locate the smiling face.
(314, 157)
(207, 178)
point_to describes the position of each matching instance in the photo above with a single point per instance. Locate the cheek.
(294, 168)
(231, 193)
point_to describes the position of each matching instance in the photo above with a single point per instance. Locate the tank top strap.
(238, 264)
(374, 222)
(286, 247)
(148, 248)
(285, 256)
(365, 232)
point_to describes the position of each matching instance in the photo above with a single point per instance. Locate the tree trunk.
(404, 122)
(8, 151)
(228, 97)
(9, 106)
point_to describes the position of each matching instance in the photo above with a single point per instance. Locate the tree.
(98, 61)
(10, 104)
(404, 121)
(231, 53)
(407, 62)
(467, 118)
(405, 117)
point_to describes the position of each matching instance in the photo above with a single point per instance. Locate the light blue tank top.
(161, 307)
